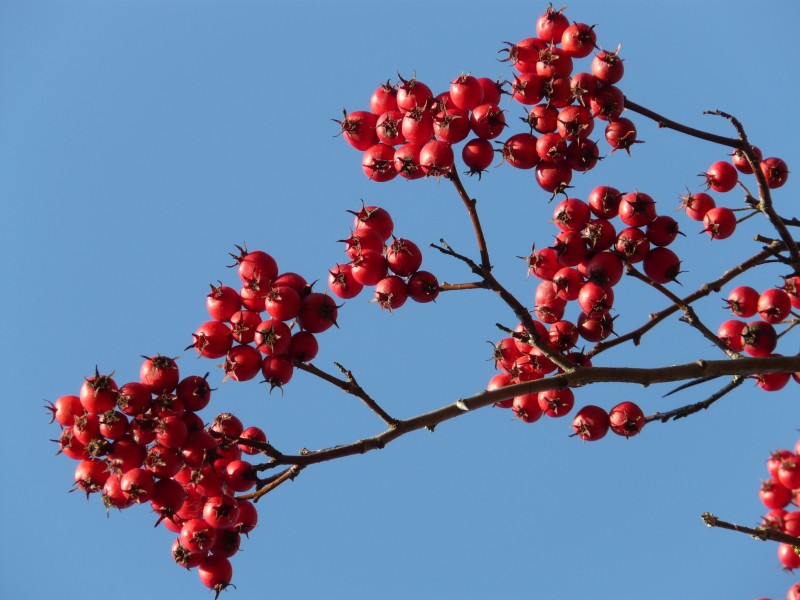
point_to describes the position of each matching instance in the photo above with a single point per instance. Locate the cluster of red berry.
(585, 263)
(519, 361)
(144, 442)
(410, 132)
(759, 338)
(251, 343)
(373, 251)
(776, 493)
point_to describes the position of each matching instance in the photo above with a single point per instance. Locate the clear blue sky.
(140, 140)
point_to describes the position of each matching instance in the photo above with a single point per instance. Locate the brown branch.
(760, 533)
(451, 287)
(742, 144)
(793, 222)
(702, 291)
(664, 122)
(470, 204)
(690, 409)
(263, 447)
(690, 316)
(349, 385)
(491, 283)
(575, 378)
(765, 195)
(265, 486)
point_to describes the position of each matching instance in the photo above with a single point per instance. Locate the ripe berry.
(215, 572)
(159, 374)
(721, 176)
(662, 265)
(377, 162)
(578, 40)
(477, 155)
(608, 67)
(720, 222)
(358, 129)
(436, 158)
(318, 313)
(406, 161)
(730, 332)
(774, 495)
(774, 305)
(740, 161)
(342, 283)
(542, 118)
(743, 301)
(373, 217)
(775, 171)
(391, 292)
(526, 408)
(556, 403)
(383, 99)
(591, 423)
(466, 92)
(520, 151)
(551, 25)
(487, 121)
(423, 287)
(621, 134)
(697, 205)
(627, 419)
(637, 209)
(759, 339)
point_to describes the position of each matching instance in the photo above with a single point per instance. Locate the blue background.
(140, 140)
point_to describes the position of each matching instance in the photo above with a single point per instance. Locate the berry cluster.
(410, 132)
(586, 261)
(373, 251)
(777, 493)
(143, 442)
(759, 338)
(251, 341)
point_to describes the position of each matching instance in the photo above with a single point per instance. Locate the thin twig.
(265, 486)
(704, 290)
(511, 301)
(349, 385)
(451, 287)
(264, 447)
(470, 204)
(759, 533)
(670, 124)
(690, 409)
(689, 317)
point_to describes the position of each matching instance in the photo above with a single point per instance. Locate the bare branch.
(349, 385)
(670, 124)
(760, 533)
(690, 409)
(575, 378)
(490, 282)
(470, 204)
(689, 317)
(265, 486)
